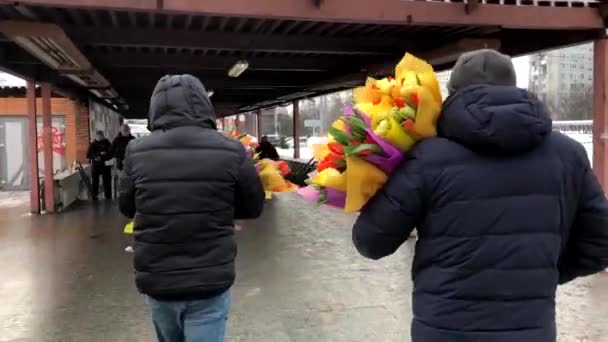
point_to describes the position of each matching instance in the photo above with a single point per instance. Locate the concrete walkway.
(66, 278)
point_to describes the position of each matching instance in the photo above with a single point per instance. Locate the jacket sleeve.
(91, 152)
(389, 218)
(126, 189)
(109, 151)
(249, 194)
(586, 250)
(114, 146)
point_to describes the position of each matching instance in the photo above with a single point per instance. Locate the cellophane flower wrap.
(371, 137)
(271, 172)
(129, 227)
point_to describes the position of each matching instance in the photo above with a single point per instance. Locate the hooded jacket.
(185, 184)
(505, 210)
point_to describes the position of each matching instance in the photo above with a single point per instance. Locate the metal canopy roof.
(295, 48)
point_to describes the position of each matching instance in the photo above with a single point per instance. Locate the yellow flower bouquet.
(370, 139)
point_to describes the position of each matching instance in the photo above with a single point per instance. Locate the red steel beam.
(142, 5)
(236, 41)
(47, 143)
(237, 122)
(362, 11)
(600, 111)
(33, 148)
(115, 59)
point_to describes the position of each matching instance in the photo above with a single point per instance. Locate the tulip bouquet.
(248, 142)
(271, 172)
(371, 138)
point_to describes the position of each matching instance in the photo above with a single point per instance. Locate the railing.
(539, 3)
(574, 126)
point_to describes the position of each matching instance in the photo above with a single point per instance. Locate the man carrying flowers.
(505, 209)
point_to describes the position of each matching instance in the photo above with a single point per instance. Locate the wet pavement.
(66, 278)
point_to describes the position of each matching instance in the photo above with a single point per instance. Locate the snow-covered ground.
(306, 152)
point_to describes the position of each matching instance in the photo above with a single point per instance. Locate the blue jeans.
(191, 321)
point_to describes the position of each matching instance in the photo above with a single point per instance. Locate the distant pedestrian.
(505, 209)
(119, 145)
(266, 150)
(99, 153)
(187, 183)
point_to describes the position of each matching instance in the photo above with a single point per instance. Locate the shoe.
(129, 249)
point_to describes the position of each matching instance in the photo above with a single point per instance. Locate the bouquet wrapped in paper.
(371, 138)
(248, 143)
(271, 172)
(129, 227)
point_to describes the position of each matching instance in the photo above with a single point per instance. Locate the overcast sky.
(522, 67)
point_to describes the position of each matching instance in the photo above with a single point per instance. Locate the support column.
(237, 123)
(32, 152)
(296, 129)
(600, 111)
(47, 143)
(223, 124)
(260, 124)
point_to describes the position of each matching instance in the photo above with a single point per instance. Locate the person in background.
(185, 184)
(505, 208)
(266, 150)
(119, 145)
(99, 153)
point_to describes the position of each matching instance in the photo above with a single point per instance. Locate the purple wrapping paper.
(393, 156)
(335, 198)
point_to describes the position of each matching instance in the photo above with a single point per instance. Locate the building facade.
(563, 79)
(72, 123)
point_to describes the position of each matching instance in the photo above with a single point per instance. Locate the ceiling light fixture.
(48, 43)
(210, 93)
(238, 68)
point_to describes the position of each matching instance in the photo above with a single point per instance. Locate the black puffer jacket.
(119, 147)
(504, 207)
(185, 184)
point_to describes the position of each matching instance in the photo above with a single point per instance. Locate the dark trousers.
(105, 172)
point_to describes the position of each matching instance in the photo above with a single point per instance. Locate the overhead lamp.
(210, 93)
(238, 68)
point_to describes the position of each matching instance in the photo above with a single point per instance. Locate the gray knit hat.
(487, 67)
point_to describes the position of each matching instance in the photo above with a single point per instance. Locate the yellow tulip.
(330, 178)
(320, 151)
(365, 95)
(394, 134)
(385, 86)
(246, 140)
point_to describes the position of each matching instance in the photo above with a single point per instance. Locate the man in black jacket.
(185, 184)
(119, 145)
(266, 150)
(505, 208)
(100, 151)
